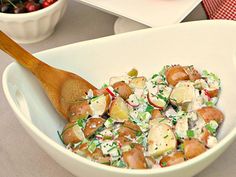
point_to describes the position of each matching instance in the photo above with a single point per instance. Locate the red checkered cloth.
(220, 9)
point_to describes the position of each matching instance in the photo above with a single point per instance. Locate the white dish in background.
(152, 13)
(147, 50)
(33, 26)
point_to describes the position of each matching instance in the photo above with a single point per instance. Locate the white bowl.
(34, 26)
(206, 44)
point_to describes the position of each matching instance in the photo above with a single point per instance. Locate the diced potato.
(192, 73)
(72, 133)
(123, 89)
(174, 74)
(182, 93)
(79, 110)
(161, 139)
(135, 159)
(193, 148)
(99, 105)
(172, 159)
(181, 127)
(119, 110)
(92, 125)
(211, 113)
(138, 82)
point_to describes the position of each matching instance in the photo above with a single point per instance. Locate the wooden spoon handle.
(17, 52)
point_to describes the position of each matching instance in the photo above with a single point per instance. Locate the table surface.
(152, 13)
(20, 156)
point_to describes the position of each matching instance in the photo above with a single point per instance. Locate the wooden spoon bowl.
(62, 88)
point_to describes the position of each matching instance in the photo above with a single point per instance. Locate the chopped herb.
(163, 164)
(174, 121)
(58, 133)
(149, 108)
(105, 85)
(209, 103)
(177, 136)
(139, 133)
(162, 97)
(154, 76)
(210, 128)
(181, 147)
(81, 122)
(109, 150)
(109, 122)
(190, 133)
(92, 147)
(161, 120)
(166, 136)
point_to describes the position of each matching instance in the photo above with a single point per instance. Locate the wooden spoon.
(62, 88)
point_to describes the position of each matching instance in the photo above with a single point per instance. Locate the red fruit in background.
(31, 6)
(51, 1)
(47, 3)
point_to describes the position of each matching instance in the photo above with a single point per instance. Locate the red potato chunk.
(175, 158)
(174, 74)
(211, 113)
(72, 133)
(92, 125)
(193, 148)
(204, 136)
(156, 113)
(192, 73)
(129, 129)
(123, 89)
(100, 104)
(79, 110)
(135, 159)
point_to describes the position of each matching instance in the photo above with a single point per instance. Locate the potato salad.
(136, 122)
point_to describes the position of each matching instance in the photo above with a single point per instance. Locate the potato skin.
(131, 126)
(204, 136)
(135, 159)
(129, 129)
(123, 89)
(175, 158)
(174, 74)
(79, 110)
(92, 125)
(211, 113)
(69, 135)
(193, 148)
(156, 113)
(192, 73)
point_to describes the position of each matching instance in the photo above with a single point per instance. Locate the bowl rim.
(224, 142)
(31, 14)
